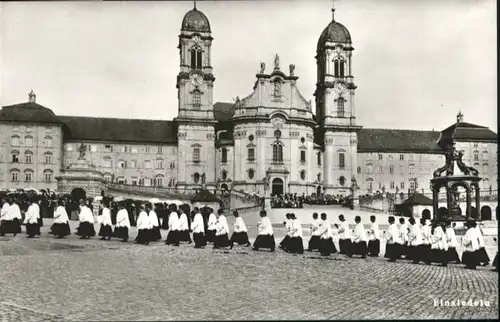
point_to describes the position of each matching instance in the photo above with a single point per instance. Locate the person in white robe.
(211, 227)
(155, 224)
(414, 241)
(122, 223)
(296, 245)
(143, 227)
(86, 218)
(315, 234)
(285, 243)
(439, 246)
(31, 219)
(326, 245)
(221, 232)
(373, 238)
(5, 221)
(106, 230)
(451, 239)
(173, 227)
(484, 259)
(393, 243)
(359, 239)
(184, 235)
(265, 236)
(470, 243)
(344, 237)
(240, 231)
(11, 223)
(60, 227)
(198, 228)
(403, 238)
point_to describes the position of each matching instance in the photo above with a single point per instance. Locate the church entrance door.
(277, 186)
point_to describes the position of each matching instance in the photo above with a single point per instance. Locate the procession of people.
(425, 241)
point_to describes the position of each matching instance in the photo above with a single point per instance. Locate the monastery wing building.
(269, 138)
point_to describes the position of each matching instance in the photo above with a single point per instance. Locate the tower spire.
(195, 4)
(333, 10)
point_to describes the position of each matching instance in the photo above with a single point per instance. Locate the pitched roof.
(463, 131)
(393, 140)
(28, 113)
(120, 130)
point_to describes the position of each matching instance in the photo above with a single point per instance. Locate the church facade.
(269, 141)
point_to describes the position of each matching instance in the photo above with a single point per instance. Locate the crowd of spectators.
(294, 200)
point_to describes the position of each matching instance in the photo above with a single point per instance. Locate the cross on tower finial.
(32, 97)
(460, 116)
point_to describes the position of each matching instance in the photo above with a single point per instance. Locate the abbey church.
(272, 140)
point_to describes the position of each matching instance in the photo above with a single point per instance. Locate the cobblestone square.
(47, 279)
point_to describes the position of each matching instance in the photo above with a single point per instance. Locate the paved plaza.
(47, 279)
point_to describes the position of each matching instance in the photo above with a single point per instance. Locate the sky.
(416, 62)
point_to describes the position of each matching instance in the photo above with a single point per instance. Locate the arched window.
(14, 140)
(318, 177)
(47, 175)
(196, 177)
(196, 98)
(159, 180)
(48, 157)
(339, 67)
(48, 141)
(223, 155)
(196, 56)
(159, 163)
(303, 175)
(319, 158)
(340, 107)
(277, 152)
(14, 175)
(28, 175)
(223, 175)
(251, 173)
(28, 157)
(28, 141)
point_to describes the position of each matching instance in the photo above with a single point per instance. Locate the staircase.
(150, 192)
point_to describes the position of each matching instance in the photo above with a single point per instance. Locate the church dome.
(195, 20)
(334, 32)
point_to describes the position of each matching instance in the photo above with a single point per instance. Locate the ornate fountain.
(456, 175)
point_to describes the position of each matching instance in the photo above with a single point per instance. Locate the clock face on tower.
(196, 79)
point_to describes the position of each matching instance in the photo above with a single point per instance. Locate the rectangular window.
(340, 107)
(14, 176)
(392, 184)
(159, 164)
(93, 148)
(380, 156)
(108, 148)
(341, 160)
(15, 141)
(402, 185)
(172, 165)
(160, 150)
(251, 154)
(196, 155)
(401, 157)
(476, 157)
(48, 158)
(28, 158)
(29, 141)
(147, 149)
(47, 176)
(303, 156)
(224, 155)
(123, 149)
(412, 185)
